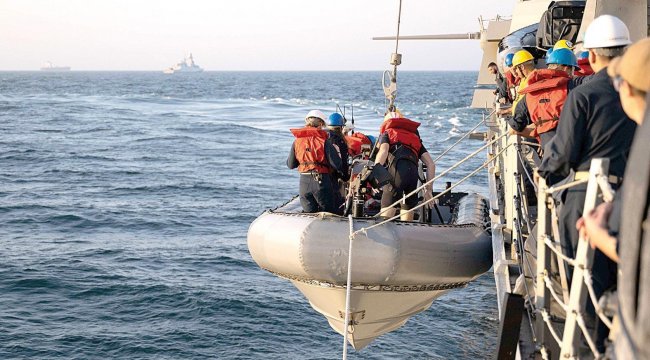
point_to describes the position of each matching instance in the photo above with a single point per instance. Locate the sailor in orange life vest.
(356, 141)
(400, 148)
(315, 157)
(537, 113)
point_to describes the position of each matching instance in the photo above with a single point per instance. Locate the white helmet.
(316, 114)
(606, 31)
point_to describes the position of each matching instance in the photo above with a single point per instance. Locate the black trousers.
(405, 180)
(604, 269)
(316, 196)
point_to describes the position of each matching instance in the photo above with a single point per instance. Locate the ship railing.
(567, 344)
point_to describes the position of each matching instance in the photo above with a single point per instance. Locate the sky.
(239, 35)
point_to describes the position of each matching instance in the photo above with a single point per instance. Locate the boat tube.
(398, 268)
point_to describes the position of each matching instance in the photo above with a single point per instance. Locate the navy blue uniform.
(592, 125)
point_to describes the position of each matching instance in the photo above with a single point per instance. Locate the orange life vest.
(402, 131)
(585, 68)
(545, 96)
(310, 149)
(355, 141)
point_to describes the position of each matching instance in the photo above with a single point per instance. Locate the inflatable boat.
(398, 268)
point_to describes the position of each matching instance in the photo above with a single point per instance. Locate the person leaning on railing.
(630, 77)
(630, 210)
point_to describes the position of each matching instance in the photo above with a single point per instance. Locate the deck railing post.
(542, 295)
(583, 262)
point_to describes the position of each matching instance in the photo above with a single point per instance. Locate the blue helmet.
(583, 55)
(372, 140)
(336, 119)
(562, 57)
(509, 59)
(548, 53)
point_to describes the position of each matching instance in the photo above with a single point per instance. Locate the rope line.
(446, 172)
(551, 245)
(585, 332)
(348, 290)
(592, 295)
(549, 285)
(553, 189)
(424, 203)
(549, 324)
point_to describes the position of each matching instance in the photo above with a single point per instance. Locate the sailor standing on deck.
(630, 77)
(538, 111)
(522, 65)
(502, 86)
(315, 157)
(400, 149)
(592, 125)
(619, 228)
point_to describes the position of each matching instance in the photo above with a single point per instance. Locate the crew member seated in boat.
(356, 141)
(592, 125)
(315, 157)
(583, 64)
(335, 123)
(400, 149)
(538, 111)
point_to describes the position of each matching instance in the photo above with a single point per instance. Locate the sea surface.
(125, 199)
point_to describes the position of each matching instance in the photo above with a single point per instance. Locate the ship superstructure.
(186, 65)
(48, 66)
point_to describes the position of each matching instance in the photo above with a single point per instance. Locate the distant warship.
(50, 67)
(187, 65)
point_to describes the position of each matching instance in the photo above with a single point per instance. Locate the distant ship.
(50, 67)
(187, 65)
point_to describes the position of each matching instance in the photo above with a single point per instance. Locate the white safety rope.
(549, 285)
(347, 290)
(549, 324)
(592, 345)
(592, 295)
(446, 172)
(363, 230)
(552, 245)
(553, 189)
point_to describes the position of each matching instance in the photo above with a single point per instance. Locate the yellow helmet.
(563, 44)
(521, 57)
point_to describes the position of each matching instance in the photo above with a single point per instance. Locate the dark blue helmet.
(336, 119)
(509, 59)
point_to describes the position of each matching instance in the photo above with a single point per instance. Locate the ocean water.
(125, 198)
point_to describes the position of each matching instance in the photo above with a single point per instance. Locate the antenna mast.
(390, 86)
